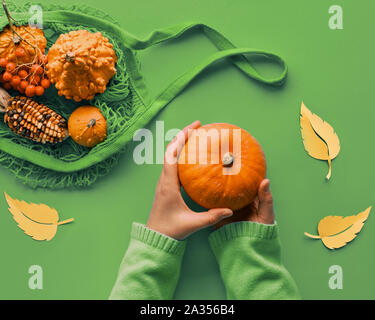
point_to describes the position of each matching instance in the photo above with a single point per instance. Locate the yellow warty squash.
(80, 64)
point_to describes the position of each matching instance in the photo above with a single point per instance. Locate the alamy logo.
(36, 280)
(336, 280)
(36, 19)
(335, 21)
(206, 147)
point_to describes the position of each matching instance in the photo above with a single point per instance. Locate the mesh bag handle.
(221, 42)
(226, 50)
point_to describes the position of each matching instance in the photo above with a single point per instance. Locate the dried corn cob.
(32, 120)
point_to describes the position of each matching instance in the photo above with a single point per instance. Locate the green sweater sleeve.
(150, 268)
(249, 257)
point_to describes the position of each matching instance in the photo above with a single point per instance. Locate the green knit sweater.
(248, 255)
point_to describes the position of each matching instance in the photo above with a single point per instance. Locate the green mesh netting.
(118, 104)
(125, 104)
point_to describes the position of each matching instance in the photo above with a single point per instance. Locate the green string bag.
(125, 104)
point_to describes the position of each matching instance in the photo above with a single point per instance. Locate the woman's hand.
(169, 214)
(261, 210)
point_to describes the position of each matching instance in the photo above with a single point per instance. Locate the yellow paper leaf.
(336, 231)
(37, 220)
(320, 140)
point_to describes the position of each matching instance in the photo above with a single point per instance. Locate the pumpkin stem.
(16, 39)
(228, 159)
(4, 100)
(92, 123)
(70, 56)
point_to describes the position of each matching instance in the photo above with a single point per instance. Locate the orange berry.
(11, 66)
(45, 83)
(39, 91)
(16, 80)
(33, 68)
(23, 84)
(23, 74)
(20, 52)
(40, 71)
(7, 76)
(30, 91)
(35, 80)
(3, 62)
(37, 69)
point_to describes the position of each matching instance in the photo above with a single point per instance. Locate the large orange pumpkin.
(221, 166)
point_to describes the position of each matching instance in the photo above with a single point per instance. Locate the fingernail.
(267, 189)
(227, 212)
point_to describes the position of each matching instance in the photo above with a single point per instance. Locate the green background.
(330, 70)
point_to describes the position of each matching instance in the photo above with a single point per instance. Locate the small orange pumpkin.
(87, 126)
(221, 166)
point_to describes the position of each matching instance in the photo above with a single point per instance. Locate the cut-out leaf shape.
(37, 220)
(320, 140)
(336, 231)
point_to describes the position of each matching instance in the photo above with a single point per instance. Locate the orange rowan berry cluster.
(28, 79)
